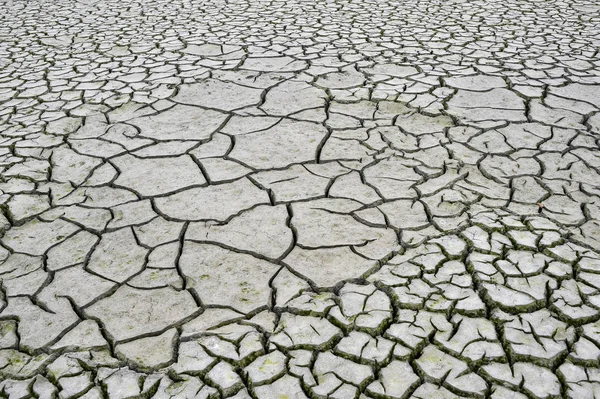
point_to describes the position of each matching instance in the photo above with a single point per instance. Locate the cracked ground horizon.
(300, 199)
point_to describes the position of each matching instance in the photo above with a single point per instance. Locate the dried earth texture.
(300, 199)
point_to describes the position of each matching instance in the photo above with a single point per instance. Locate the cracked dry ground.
(300, 199)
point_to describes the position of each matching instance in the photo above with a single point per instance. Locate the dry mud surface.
(300, 199)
